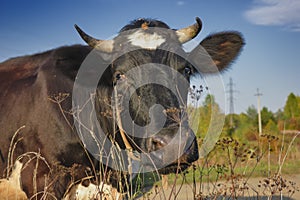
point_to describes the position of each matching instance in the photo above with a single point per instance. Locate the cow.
(40, 125)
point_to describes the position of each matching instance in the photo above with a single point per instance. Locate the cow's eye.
(118, 76)
(187, 70)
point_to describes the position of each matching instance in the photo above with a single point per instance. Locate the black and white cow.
(38, 121)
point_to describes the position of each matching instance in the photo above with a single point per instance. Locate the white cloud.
(180, 3)
(275, 12)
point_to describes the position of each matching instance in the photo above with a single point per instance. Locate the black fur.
(138, 24)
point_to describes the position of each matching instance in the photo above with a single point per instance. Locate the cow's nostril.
(158, 143)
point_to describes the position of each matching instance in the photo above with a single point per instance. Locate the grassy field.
(233, 166)
(268, 166)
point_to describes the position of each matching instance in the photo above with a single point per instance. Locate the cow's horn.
(102, 45)
(188, 33)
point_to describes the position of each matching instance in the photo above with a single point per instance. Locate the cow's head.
(142, 95)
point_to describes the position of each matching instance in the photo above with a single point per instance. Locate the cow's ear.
(223, 48)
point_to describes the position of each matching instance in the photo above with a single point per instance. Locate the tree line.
(246, 124)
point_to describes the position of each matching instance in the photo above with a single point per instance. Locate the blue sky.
(271, 28)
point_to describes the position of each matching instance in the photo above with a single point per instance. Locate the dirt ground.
(186, 192)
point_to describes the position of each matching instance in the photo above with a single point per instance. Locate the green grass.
(250, 169)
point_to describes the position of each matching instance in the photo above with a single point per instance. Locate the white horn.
(102, 45)
(188, 33)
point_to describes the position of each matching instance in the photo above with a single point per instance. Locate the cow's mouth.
(190, 154)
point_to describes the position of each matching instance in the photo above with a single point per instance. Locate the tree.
(252, 114)
(279, 118)
(266, 116)
(279, 115)
(208, 107)
(209, 100)
(271, 127)
(298, 100)
(228, 129)
(291, 108)
(292, 112)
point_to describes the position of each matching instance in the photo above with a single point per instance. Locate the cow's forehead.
(152, 45)
(151, 38)
(145, 40)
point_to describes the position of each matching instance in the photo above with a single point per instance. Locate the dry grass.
(218, 174)
(235, 171)
(209, 178)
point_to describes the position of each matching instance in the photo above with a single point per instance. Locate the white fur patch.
(102, 191)
(11, 188)
(145, 40)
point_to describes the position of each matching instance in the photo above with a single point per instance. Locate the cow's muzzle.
(176, 152)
